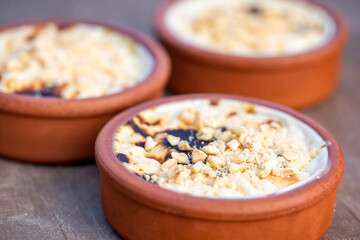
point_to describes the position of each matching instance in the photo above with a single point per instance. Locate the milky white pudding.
(252, 28)
(80, 61)
(220, 149)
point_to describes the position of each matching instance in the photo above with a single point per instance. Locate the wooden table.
(63, 202)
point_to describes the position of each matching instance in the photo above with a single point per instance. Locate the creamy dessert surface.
(224, 149)
(79, 61)
(254, 28)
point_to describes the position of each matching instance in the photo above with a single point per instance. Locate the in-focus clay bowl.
(297, 81)
(137, 209)
(55, 130)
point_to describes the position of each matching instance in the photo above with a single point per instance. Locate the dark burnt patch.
(122, 158)
(223, 129)
(255, 10)
(188, 135)
(43, 92)
(143, 121)
(136, 128)
(140, 144)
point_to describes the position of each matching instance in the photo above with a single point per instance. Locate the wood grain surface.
(63, 202)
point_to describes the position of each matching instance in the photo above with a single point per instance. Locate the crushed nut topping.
(249, 154)
(252, 28)
(79, 61)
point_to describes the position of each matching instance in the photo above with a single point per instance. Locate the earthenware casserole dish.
(299, 80)
(53, 130)
(137, 209)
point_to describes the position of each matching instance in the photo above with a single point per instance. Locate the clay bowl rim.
(95, 106)
(217, 209)
(237, 61)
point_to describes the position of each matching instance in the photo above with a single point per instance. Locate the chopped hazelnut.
(198, 155)
(233, 144)
(248, 143)
(238, 158)
(149, 143)
(198, 123)
(205, 133)
(211, 173)
(258, 137)
(147, 177)
(187, 116)
(274, 124)
(154, 178)
(234, 168)
(226, 136)
(159, 153)
(250, 158)
(173, 140)
(282, 172)
(290, 156)
(240, 130)
(221, 146)
(180, 157)
(313, 153)
(184, 145)
(216, 162)
(197, 167)
(265, 173)
(168, 164)
(211, 149)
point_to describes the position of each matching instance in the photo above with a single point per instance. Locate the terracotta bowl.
(54, 130)
(297, 81)
(137, 209)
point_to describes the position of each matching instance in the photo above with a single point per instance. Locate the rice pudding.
(252, 28)
(220, 149)
(79, 61)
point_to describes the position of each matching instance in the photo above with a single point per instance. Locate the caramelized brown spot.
(214, 102)
(159, 153)
(250, 109)
(230, 114)
(64, 27)
(37, 30)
